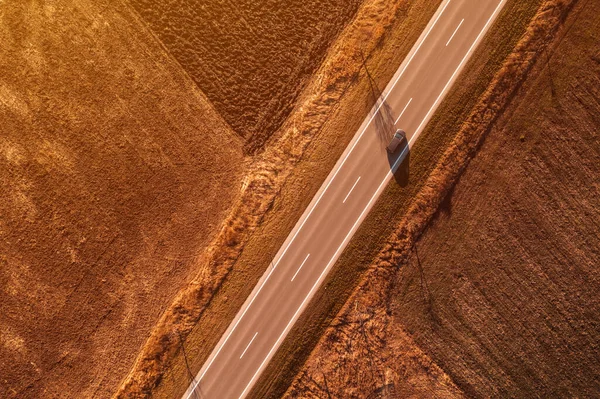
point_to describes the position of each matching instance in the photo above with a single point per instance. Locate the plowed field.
(512, 263)
(251, 58)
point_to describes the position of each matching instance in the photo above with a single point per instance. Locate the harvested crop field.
(511, 263)
(116, 171)
(498, 298)
(252, 59)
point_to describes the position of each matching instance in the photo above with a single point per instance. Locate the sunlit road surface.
(344, 200)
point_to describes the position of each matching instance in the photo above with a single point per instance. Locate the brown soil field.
(498, 297)
(116, 171)
(252, 59)
(511, 263)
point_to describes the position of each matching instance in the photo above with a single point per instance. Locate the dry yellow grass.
(115, 172)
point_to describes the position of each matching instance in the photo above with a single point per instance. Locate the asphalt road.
(344, 200)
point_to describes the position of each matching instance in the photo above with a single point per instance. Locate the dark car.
(399, 137)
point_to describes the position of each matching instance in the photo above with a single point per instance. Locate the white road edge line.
(349, 192)
(320, 196)
(387, 178)
(303, 262)
(249, 343)
(318, 199)
(402, 113)
(455, 30)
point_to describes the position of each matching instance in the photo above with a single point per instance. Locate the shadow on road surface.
(385, 129)
(384, 123)
(401, 174)
(381, 112)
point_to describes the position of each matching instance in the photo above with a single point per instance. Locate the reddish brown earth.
(115, 172)
(251, 58)
(512, 262)
(122, 172)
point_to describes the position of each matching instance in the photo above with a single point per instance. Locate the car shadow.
(402, 171)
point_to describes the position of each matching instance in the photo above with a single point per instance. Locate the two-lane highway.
(343, 201)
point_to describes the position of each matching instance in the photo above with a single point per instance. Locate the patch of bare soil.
(115, 172)
(499, 292)
(251, 58)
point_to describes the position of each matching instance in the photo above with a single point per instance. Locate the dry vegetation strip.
(290, 151)
(251, 58)
(111, 161)
(497, 294)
